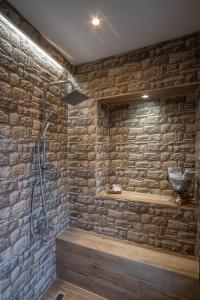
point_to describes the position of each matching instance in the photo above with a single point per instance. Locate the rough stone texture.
(162, 65)
(157, 225)
(147, 137)
(27, 265)
(82, 148)
(35, 35)
(198, 173)
(102, 148)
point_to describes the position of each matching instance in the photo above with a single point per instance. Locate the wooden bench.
(121, 270)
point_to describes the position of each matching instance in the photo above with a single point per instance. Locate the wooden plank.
(70, 291)
(167, 281)
(85, 252)
(144, 197)
(161, 259)
(97, 286)
(74, 263)
(150, 292)
(66, 286)
(77, 264)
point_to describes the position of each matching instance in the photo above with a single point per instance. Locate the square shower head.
(74, 97)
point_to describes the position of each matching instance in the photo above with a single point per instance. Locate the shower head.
(74, 97)
(51, 119)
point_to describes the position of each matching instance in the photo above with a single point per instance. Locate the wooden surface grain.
(144, 197)
(70, 291)
(119, 270)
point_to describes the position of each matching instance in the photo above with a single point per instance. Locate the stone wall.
(148, 136)
(157, 225)
(162, 65)
(27, 264)
(102, 147)
(166, 64)
(8, 10)
(82, 148)
(198, 173)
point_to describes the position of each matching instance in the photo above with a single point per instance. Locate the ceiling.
(125, 24)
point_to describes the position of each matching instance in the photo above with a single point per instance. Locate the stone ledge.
(143, 197)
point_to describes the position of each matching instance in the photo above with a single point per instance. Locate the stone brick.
(131, 217)
(137, 237)
(5, 89)
(122, 223)
(186, 236)
(14, 119)
(3, 117)
(159, 221)
(19, 170)
(14, 79)
(5, 130)
(172, 224)
(145, 219)
(169, 137)
(3, 74)
(13, 158)
(172, 245)
(150, 228)
(150, 183)
(115, 214)
(3, 159)
(135, 183)
(13, 197)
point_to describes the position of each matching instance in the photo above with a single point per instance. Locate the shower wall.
(27, 265)
(148, 136)
(165, 64)
(102, 147)
(198, 172)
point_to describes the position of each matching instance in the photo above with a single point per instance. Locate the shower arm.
(57, 83)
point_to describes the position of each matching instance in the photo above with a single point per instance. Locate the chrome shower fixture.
(51, 119)
(74, 97)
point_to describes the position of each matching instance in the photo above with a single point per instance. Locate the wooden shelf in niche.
(144, 197)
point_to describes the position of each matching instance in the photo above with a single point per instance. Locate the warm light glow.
(95, 21)
(145, 96)
(35, 47)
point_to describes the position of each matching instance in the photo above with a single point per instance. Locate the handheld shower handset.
(51, 119)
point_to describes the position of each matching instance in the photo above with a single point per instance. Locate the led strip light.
(30, 41)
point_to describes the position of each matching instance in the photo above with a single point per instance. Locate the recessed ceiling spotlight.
(145, 96)
(95, 21)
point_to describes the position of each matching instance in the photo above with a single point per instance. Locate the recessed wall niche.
(137, 142)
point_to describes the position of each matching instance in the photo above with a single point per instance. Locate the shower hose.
(41, 183)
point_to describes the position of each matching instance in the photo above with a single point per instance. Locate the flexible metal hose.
(40, 181)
